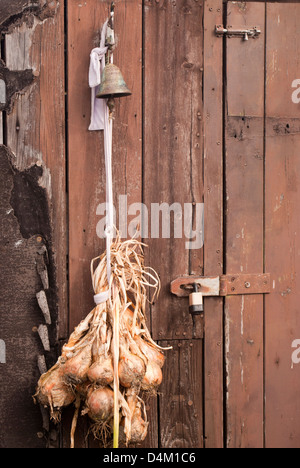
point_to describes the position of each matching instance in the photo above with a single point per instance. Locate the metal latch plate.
(244, 33)
(226, 285)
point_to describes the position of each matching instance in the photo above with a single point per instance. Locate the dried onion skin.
(100, 404)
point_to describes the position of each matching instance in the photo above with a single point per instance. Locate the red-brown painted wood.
(244, 315)
(282, 226)
(213, 244)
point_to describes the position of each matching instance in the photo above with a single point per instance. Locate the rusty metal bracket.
(243, 33)
(226, 285)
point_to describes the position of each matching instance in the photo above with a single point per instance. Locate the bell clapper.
(111, 106)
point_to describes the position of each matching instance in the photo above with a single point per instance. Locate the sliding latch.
(226, 285)
(244, 33)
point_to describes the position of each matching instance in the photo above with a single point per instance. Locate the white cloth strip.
(97, 65)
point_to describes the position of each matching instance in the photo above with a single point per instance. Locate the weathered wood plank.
(173, 174)
(173, 159)
(244, 230)
(245, 89)
(180, 396)
(12, 82)
(33, 230)
(19, 317)
(36, 131)
(86, 150)
(14, 12)
(282, 226)
(213, 202)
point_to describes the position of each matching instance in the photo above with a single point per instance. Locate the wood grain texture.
(213, 202)
(36, 130)
(282, 226)
(244, 316)
(283, 60)
(14, 82)
(33, 219)
(14, 12)
(86, 150)
(19, 314)
(180, 396)
(245, 87)
(173, 148)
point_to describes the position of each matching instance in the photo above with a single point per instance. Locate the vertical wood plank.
(36, 129)
(180, 396)
(282, 60)
(245, 89)
(282, 226)
(33, 220)
(244, 230)
(173, 174)
(20, 418)
(173, 160)
(213, 202)
(86, 151)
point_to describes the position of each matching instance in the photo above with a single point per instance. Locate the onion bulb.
(153, 377)
(53, 391)
(76, 368)
(131, 370)
(83, 388)
(100, 404)
(128, 317)
(101, 372)
(139, 427)
(151, 353)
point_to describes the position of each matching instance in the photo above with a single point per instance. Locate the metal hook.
(110, 35)
(112, 13)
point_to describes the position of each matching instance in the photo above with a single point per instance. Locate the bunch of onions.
(110, 358)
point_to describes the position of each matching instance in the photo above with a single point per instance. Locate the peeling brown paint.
(15, 81)
(15, 12)
(30, 204)
(25, 242)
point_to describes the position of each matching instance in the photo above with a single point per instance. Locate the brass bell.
(112, 83)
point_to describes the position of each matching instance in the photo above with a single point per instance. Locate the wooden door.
(261, 199)
(212, 120)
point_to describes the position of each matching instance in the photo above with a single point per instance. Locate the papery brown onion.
(76, 368)
(100, 404)
(83, 388)
(101, 372)
(131, 370)
(139, 427)
(153, 377)
(127, 317)
(151, 353)
(53, 391)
